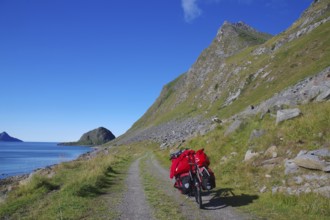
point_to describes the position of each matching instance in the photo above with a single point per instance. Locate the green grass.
(79, 189)
(308, 132)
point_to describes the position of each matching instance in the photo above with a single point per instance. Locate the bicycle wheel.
(198, 194)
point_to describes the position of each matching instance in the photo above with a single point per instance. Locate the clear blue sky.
(69, 66)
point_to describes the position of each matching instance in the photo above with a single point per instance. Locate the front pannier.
(183, 183)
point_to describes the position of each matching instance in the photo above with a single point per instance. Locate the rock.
(311, 161)
(97, 136)
(256, 134)
(216, 120)
(286, 114)
(298, 179)
(233, 154)
(290, 167)
(324, 191)
(263, 189)
(164, 146)
(249, 155)
(308, 190)
(7, 138)
(274, 190)
(271, 152)
(323, 96)
(272, 161)
(321, 152)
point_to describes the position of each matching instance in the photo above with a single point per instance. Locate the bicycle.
(196, 179)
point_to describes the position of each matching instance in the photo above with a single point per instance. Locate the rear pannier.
(182, 162)
(208, 180)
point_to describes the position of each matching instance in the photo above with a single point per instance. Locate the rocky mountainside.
(242, 73)
(97, 136)
(7, 138)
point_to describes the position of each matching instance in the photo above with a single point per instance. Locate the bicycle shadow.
(222, 198)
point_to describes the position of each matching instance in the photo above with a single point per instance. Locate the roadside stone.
(249, 155)
(310, 161)
(308, 190)
(286, 114)
(263, 189)
(272, 161)
(290, 167)
(271, 152)
(274, 190)
(256, 134)
(323, 96)
(324, 191)
(298, 180)
(164, 146)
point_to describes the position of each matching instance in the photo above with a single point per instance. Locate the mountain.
(97, 136)
(4, 137)
(240, 70)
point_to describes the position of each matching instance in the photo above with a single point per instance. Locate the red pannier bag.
(183, 183)
(181, 164)
(201, 158)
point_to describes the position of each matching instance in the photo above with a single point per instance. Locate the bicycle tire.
(198, 195)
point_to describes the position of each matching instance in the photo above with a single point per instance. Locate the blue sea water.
(18, 158)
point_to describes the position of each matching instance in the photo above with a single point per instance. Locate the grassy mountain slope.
(223, 83)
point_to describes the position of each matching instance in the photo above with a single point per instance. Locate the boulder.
(286, 114)
(312, 160)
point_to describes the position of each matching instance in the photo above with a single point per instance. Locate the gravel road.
(218, 204)
(134, 205)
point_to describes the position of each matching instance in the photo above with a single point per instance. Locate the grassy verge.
(310, 131)
(76, 190)
(163, 205)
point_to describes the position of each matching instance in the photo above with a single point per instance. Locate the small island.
(4, 137)
(94, 137)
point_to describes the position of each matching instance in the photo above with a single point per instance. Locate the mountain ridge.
(251, 74)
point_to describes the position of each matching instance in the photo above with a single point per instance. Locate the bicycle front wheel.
(198, 195)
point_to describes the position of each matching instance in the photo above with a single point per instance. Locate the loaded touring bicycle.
(192, 173)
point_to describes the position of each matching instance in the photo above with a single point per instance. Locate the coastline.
(9, 183)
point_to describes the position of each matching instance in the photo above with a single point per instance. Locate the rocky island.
(4, 137)
(94, 137)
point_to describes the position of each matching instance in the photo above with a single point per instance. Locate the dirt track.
(218, 204)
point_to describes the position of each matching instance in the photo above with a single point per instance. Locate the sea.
(17, 158)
